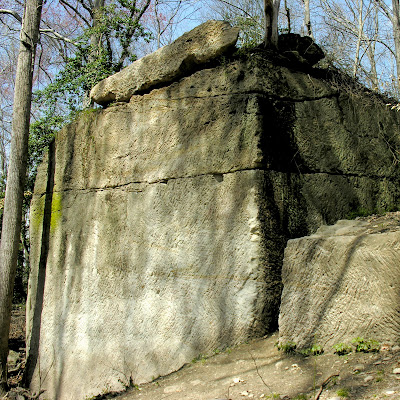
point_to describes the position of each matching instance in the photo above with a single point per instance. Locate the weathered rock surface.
(168, 63)
(343, 282)
(158, 226)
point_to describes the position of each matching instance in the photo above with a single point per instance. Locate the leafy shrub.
(342, 348)
(315, 350)
(366, 346)
(288, 347)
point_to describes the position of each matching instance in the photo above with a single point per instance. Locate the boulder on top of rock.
(342, 283)
(300, 48)
(168, 63)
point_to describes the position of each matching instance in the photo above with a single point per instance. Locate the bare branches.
(47, 31)
(13, 13)
(68, 7)
(55, 35)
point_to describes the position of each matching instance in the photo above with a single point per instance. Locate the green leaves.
(100, 51)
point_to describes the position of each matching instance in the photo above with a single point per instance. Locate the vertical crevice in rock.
(33, 341)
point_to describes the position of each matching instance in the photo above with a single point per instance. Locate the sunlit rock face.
(191, 50)
(158, 225)
(342, 283)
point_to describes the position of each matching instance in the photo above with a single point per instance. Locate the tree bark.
(371, 51)
(307, 18)
(360, 32)
(16, 174)
(95, 44)
(396, 35)
(271, 11)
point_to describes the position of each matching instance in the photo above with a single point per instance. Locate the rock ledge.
(200, 45)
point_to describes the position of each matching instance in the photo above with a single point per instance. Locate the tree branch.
(13, 13)
(385, 9)
(76, 11)
(56, 35)
(241, 10)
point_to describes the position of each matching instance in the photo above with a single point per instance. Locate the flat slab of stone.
(341, 283)
(168, 63)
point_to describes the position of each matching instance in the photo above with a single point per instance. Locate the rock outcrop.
(341, 283)
(158, 225)
(168, 63)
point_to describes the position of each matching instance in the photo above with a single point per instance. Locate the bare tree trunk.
(271, 11)
(16, 174)
(95, 44)
(158, 24)
(287, 10)
(95, 38)
(307, 18)
(371, 50)
(359, 37)
(396, 34)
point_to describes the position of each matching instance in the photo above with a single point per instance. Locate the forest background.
(83, 41)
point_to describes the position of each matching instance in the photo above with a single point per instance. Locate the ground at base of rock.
(258, 370)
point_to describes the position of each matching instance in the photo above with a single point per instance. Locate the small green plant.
(273, 396)
(300, 396)
(315, 350)
(201, 357)
(365, 346)
(379, 375)
(343, 392)
(288, 347)
(342, 348)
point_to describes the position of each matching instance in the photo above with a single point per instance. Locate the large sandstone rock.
(158, 226)
(341, 283)
(168, 63)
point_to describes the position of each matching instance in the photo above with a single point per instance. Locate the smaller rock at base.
(396, 371)
(335, 398)
(172, 389)
(389, 392)
(368, 378)
(358, 368)
(12, 358)
(396, 348)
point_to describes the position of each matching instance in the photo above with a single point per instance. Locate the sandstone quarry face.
(168, 63)
(341, 283)
(158, 226)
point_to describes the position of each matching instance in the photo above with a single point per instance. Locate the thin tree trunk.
(307, 18)
(271, 11)
(359, 37)
(158, 24)
(371, 51)
(16, 174)
(95, 45)
(287, 10)
(396, 35)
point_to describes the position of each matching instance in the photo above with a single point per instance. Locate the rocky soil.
(17, 345)
(255, 370)
(258, 370)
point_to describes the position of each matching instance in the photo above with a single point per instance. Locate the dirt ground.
(258, 370)
(16, 343)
